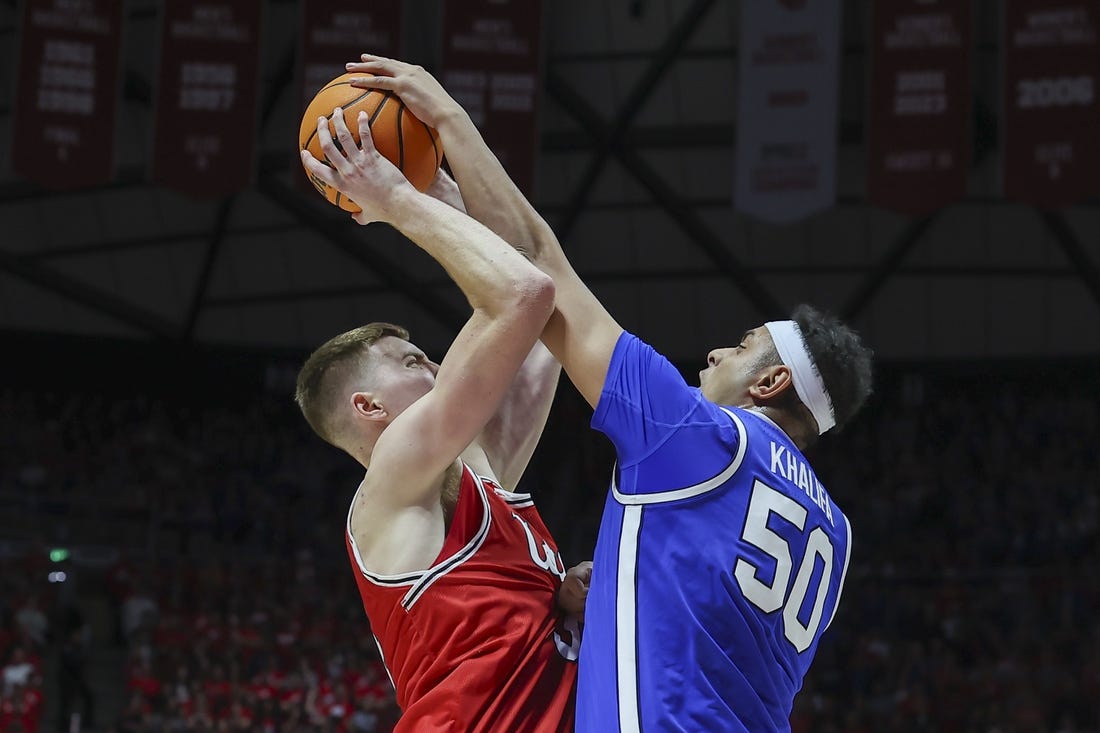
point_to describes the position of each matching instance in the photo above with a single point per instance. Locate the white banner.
(788, 83)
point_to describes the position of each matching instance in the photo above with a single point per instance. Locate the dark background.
(149, 341)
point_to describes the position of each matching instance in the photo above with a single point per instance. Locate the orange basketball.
(398, 134)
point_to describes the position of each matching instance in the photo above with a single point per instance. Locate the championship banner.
(64, 118)
(335, 32)
(788, 83)
(206, 96)
(1051, 118)
(491, 65)
(918, 151)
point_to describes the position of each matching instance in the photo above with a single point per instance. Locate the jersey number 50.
(764, 502)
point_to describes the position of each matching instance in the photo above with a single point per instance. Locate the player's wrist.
(452, 120)
(404, 204)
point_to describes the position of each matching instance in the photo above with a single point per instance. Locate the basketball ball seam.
(431, 137)
(328, 117)
(304, 145)
(386, 95)
(400, 139)
(378, 110)
(335, 84)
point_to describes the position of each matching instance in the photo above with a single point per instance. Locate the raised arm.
(511, 301)
(580, 333)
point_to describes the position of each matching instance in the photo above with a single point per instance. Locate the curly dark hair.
(844, 363)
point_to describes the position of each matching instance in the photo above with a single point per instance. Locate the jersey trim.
(844, 572)
(382, 656)
(384, 580)
(626, 620)
(437, 572)
(420, 580)
(661, 497)
(513, 499)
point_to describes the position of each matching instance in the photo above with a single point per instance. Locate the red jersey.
(476, 642)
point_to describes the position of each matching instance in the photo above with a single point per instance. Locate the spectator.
(32, 621)
(20, 668)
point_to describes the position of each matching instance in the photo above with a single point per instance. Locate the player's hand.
(574, 589)
(360, 172)
(422, 94)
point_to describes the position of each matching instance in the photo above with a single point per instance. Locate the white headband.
(808, 385)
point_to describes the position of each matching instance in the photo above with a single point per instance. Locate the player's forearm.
(492, 274)
(488, 192)
(510, 438)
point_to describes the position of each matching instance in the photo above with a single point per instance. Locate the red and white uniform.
(476, 642)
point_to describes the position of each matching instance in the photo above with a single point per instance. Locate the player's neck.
(363, 448)
(785, 422)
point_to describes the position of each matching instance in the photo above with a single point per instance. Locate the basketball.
(398, 134)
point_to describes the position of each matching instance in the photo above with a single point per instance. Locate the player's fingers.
(364, 134)
(343, 134)
(576, 586)
(368, 57)
(374, 82)
(373, 66)
(362, 218)
(318, 169)
(582, 571)
(328, 147)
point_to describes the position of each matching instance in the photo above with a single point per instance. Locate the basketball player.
(457, 573)
(721, 558)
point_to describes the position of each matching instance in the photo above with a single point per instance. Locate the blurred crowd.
(24, 627)
(260, 645)
(970, 605)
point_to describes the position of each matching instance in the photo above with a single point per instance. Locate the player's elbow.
(531, 299)
(536, 294)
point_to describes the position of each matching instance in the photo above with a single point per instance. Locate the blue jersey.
(719, 563)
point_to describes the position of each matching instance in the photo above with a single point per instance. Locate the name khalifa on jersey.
(795, 470)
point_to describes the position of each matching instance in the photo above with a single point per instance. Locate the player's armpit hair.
(318, 391)
(842, 360)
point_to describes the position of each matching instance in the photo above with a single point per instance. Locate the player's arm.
(511, 435)
(511, 301)
(444, 188)
(489, 196)
(504, 448)
(581, 333)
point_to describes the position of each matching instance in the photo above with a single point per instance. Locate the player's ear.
(771, 382)
(368, 407)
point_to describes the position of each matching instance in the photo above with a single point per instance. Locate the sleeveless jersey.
(719, 563)
(476, 642)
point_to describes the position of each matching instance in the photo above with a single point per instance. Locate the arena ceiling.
(635, 174)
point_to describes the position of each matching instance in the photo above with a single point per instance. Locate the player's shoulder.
(631, 348)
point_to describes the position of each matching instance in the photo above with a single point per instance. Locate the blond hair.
(325, 374)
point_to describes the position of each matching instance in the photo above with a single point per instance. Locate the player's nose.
(714, 358)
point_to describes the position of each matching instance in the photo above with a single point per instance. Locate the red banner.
(491, 65)
(1051, 118)
(206, 96)
(335, 32)
(917, 133)
(63, 131)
